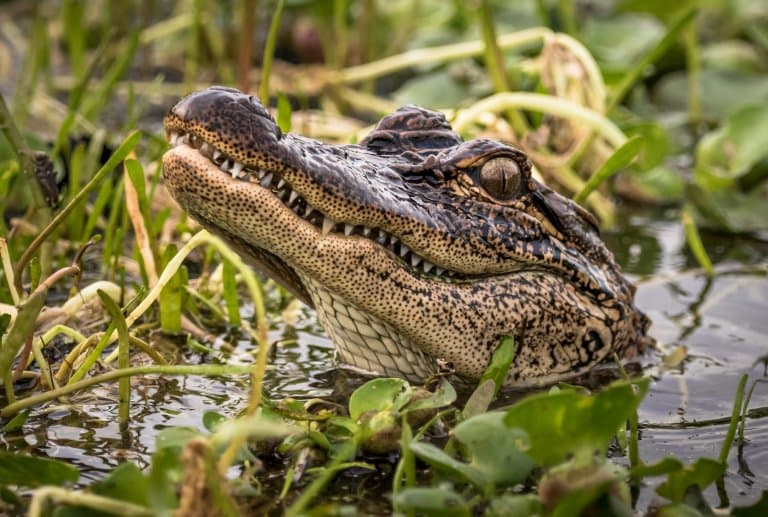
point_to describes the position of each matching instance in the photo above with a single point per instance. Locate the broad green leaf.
(661, 467)
(722, 92)
(702, 473)
(732, 150)
(440, 501)
(31, 471)
(379, 395)
(494, 449)
(445, 463)
(568, 423)
(212, 419)
(125, 483)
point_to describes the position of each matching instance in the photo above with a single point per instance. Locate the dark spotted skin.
(503, 256)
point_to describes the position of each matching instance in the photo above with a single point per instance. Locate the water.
(722, 321)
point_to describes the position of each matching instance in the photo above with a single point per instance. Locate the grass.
(542, 83)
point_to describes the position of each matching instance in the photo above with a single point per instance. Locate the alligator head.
(416, 249)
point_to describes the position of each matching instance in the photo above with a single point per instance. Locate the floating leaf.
(569, 423)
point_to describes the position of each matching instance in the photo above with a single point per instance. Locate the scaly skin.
(416, 249)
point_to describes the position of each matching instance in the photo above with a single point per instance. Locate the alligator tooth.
(382, 238)
(393, 240)
(403, 250)
(328, 225)
(216, 155)
(427, 266)
(415, 259)
(280, 183)
(236, 168)
(308, 210)
(366, 231)
(260, 174)
(439, 271)
(267, 181)
(206, 148)
(224, 166)
(348, 228)
(292, 197)
(173, 138)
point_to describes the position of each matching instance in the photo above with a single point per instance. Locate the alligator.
(419, 251)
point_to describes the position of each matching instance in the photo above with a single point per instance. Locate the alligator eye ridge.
(500, 177)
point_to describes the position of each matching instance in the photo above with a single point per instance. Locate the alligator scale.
(416, 249)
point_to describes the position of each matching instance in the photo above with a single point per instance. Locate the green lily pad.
(568, 423)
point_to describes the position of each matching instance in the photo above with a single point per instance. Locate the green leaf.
(379, 395)
(569, 423)
(702, 473)
(500, 362)
(229, 285)
(22, 327)
(283, 113)
(31, 471)
(443, 396)
(440, 501)
(445, 463)
(731, 151)
(620, 159)
(125, 483)
(494, 449)
(661, 467)
(514, 506)
(175, 437)
(171, 295)
(212, 419)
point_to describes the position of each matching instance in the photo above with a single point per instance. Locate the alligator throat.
(417, 249)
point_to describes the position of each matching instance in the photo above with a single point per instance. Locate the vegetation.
(624, 100)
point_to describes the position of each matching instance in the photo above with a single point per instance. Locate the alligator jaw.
(403, 245)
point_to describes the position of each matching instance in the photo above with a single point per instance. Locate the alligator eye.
(500, 177)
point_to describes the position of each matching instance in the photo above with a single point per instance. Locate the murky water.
(723, 322)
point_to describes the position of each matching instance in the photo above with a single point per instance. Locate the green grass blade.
(634, 73)
(269, 53)
(617, 161)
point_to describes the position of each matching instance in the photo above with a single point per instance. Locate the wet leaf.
(664, 466)
(31, 471)
(175, 437)
(702, 473)
(379, 395)
(438, 501)
(569, 423)
(494, 449)
(443, 396)
(445, 463)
